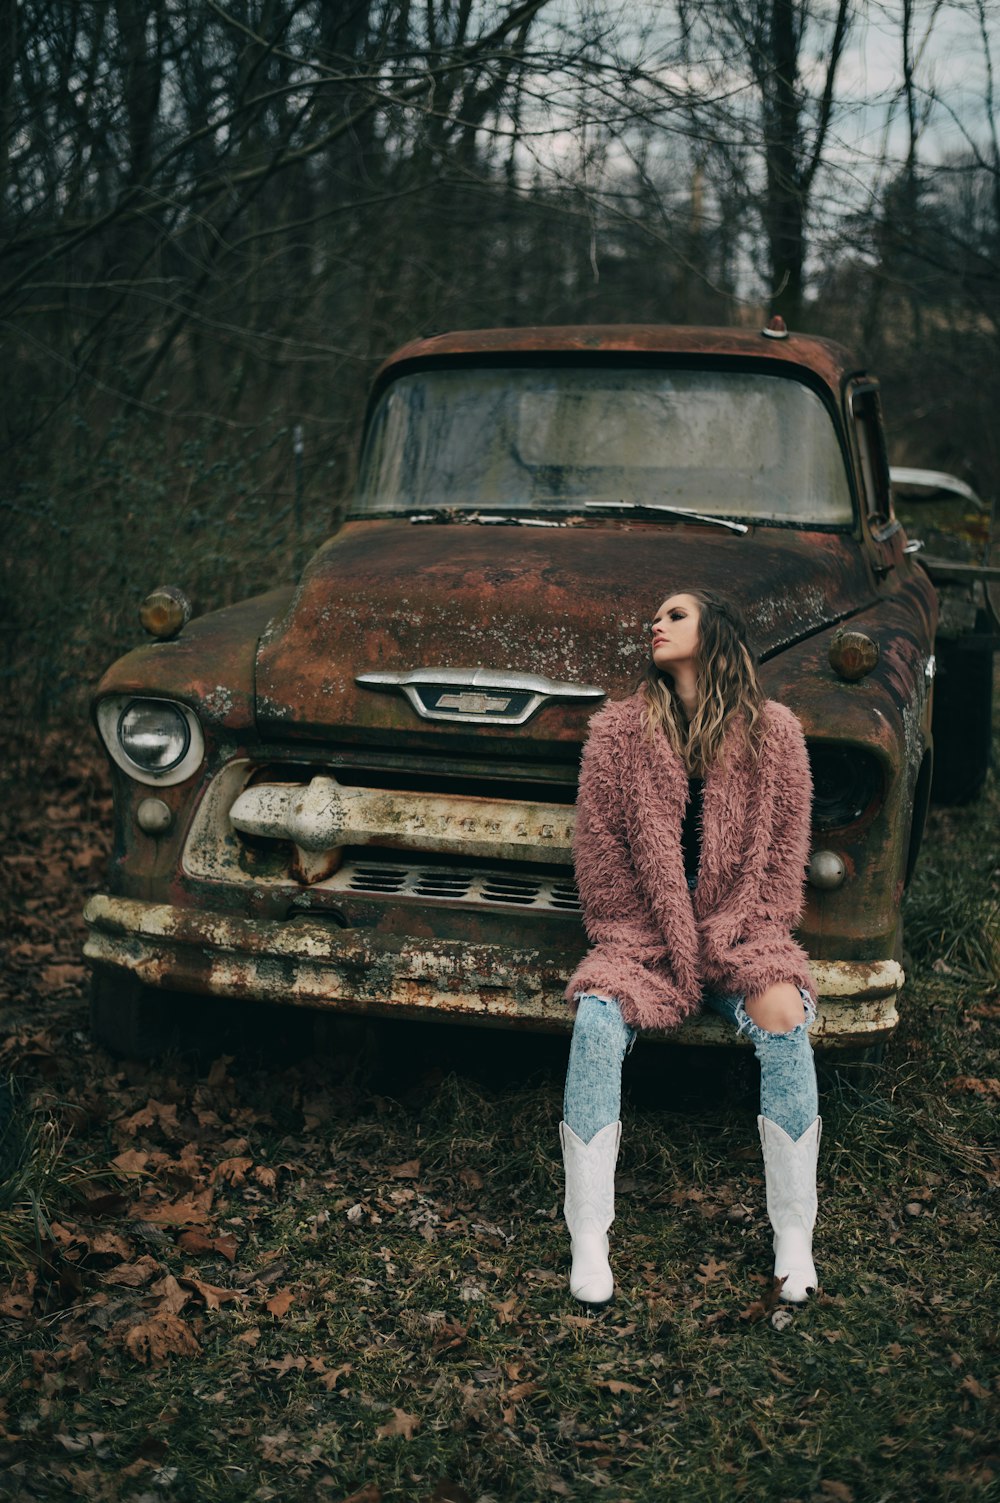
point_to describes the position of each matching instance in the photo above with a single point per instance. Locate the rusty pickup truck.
(357, 794)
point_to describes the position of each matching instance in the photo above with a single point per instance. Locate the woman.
(691, 842)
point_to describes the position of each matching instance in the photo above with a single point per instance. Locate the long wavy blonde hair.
(729, 693)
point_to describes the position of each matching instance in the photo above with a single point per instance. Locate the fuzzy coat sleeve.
(624, 935)
(758, 950)
(602, 862)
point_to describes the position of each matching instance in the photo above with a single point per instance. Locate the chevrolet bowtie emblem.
(471, 704)
(486, 696)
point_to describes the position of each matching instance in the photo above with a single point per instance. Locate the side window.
(867, 416)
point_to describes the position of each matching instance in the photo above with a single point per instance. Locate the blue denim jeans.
(601, 1039)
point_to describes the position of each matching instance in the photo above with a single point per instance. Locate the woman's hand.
(778, 1009)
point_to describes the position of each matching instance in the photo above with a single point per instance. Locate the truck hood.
(572, 603)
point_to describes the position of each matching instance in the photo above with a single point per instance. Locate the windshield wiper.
(674, 511)
(481, 518)
(460, 514)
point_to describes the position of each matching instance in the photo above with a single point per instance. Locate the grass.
(36, 1175)
(368, 1297)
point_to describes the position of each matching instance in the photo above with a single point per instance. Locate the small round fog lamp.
(826, 870)
(164, 612)
(154, 817)
(852, 654)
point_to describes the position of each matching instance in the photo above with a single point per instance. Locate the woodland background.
(216, 219)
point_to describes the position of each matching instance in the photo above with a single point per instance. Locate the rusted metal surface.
(323, 815)
(216, 854)
(305, 963)
(887, 713)
(209, 666)
(569, 603)
(824, 359)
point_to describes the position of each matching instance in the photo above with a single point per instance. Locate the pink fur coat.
(656, 944)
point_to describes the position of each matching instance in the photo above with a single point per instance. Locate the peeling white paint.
(357, 971)
(219, 701)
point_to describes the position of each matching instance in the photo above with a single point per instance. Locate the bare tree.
(770, 130)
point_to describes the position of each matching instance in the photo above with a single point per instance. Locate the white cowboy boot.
(589, 1208)
(790, 1181)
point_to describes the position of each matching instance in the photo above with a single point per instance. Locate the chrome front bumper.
(309, 963)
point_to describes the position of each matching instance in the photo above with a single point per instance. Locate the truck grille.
(496, 888)
(457, 864)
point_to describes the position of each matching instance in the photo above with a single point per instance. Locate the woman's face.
(675, 632)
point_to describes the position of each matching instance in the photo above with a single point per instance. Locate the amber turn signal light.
(853, 654)
(164, 612)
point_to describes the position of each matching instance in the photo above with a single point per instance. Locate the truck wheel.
(962, 721)
(133, 1021)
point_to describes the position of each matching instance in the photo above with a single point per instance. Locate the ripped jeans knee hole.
(757, 1034)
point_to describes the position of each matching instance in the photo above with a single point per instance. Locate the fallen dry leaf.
(69, 1238)
(57, 977)
(448, 1334)
(109, 1245)
(213, 1294)
(197, 1242)
(276, 1447)
(289, 1363)
(330, 1379)
(191, 1211)
(401, 1424)
(154, 1341)
(170, 1292)
(133, 1275)
(161, 1112)
(988, 1087)
(234, 1171)
(279, 1303)
(20, 1297)
(709, 1271)
(765, 1305)
(132, 1161)
(408, 1170)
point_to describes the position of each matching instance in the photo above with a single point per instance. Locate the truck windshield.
(529, 438)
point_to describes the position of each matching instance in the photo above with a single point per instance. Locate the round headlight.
(153, 735)
(158, 742)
